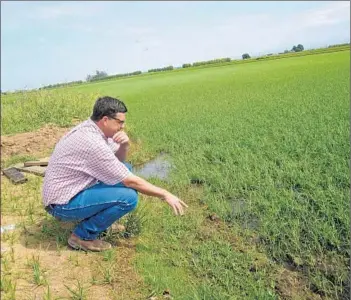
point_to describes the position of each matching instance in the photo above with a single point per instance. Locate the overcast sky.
(51, 42)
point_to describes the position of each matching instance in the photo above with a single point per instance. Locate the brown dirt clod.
(31, 143)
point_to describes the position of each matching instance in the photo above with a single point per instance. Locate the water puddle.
(242, 215)
(159, 168)
(7, 228)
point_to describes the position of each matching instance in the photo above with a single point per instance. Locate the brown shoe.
(96, 245)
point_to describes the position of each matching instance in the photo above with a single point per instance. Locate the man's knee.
(132, 199)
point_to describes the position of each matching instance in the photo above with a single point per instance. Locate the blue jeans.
(97, 208)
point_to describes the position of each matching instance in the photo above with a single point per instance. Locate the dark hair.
(107, 106)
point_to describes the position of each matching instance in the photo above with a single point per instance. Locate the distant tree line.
(207, 62)
(98, 76)
(102, 75)
(339, 45)
(169, 68)
(210, 62)
(297, 48)
(108, 77)
(51, 86)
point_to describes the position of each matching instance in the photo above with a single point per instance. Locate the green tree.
(300, 47)
(297, 48)
(98, 75)
(246, 56)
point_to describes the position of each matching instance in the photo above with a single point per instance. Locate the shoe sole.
(76, 246)
(79, 247)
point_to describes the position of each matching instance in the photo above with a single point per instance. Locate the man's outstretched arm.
(144, 187)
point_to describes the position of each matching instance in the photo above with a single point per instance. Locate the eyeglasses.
(119, 121)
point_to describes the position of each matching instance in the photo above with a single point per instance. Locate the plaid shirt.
(82, 158)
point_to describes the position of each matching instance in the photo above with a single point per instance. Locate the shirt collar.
(91, 122)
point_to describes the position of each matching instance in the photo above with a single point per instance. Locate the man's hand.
(175, 203)
(121, 138)
(144, 187)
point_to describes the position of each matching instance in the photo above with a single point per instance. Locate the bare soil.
(32, 143)
(62, 269)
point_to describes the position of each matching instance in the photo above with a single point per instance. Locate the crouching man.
(88, 181)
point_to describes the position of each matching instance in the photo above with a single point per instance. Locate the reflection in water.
(157, 168)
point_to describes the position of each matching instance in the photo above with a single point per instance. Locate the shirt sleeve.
(103, 165)
(113, 145)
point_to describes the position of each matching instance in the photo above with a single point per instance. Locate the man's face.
(113, 124)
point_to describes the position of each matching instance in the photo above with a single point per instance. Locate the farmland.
(267, 144)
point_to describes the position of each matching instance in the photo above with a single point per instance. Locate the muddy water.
(157, 168)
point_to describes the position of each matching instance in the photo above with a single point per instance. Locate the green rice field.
(262, 146)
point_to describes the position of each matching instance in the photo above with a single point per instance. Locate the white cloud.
(332, 13)
(260, 33)
(17, 15)
(56, 10)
